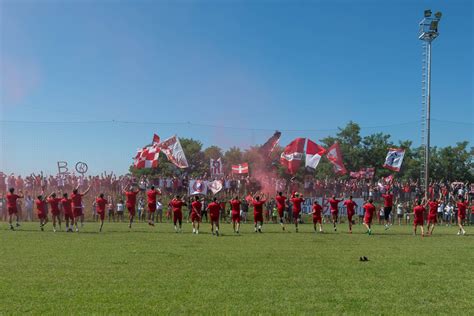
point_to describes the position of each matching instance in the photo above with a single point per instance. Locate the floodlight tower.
(428, 33)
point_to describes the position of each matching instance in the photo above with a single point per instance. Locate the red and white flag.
(335, 157)
(394, 159)
(292, 155)
(314, 152)
(156, 139)
(216, 167)
(147, 157)
(173, 150)
(240, 169)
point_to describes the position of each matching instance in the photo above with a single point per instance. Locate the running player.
(317, 210)
(281, 205)
(419, 212)
(235, 207)
(68, 214)
(296, 199)
(130, 203)
(12, 207)
(258, 211)
(101, 203)
(387, 209)
(53, 202)
(151, 198)
(42, 211)
(76, 198)
(196, 208)
(333, 204)
(369, 214)
(432, 215)
(350, 206)
(176, 205)
(462, 206)
(214, 210)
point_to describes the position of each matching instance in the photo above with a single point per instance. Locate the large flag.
(197, 187)
(314, 152)
(215, 186)
(270, 144)
(335, 157)
(156, 139)
(241, 168)
(292, 155)
(173, 150)
(147, 157)
(394, 159)
(216, 167)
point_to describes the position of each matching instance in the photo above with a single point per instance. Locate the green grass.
(156, 271)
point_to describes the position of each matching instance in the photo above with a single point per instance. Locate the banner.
(216, 167)
(314, 152)
(215, 186)
(292, 155)
(394, 159)
(335, 157)
(173, 150)
(307, 206)
(147, 157)
(240, 169)
(270, 144)
(197, 187)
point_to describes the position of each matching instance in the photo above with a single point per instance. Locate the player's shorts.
(334, 213)
(296, 215)
(68, 216)
(131, 210)
(418, 221)
(195, 217)
(55, 213)
(177, 216)
(349, 216)
(101, 215)
(257, 217)
(77, 211)
(386, 212)
(42, 215)
(280, 212)
(12, 210)
(433, 219)
(368, 220)
(399, 215)
(317, 219)
(214, 218)
(236, 217)
(151, 207)
(462, 215)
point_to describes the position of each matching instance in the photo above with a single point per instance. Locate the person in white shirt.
(120, 209)
(159, 211)
(400, 213)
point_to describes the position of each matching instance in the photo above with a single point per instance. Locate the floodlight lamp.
(427, 13)
(434, 26)
(438, 15)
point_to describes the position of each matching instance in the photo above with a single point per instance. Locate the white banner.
(307, 206)
(216, 167)
(197, 187)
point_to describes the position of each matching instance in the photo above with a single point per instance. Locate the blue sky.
(184, 67)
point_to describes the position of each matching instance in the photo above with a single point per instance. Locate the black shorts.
(399, 215)
(386, 212)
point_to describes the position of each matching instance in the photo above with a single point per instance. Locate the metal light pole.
(428, 33)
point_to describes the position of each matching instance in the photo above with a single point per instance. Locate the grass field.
(156, 271)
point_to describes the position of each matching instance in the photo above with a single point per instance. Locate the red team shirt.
(11, 203)
(41, 208)
(462, 209)
(419, 213)
(317, 209)
(67, 208)
(214, 209)
(387, 200)
(432, 215)
(258, 210)
(369, 213)
(297, 205)
(350, 205)
(196, 207)
(333, 203)
(151, 197)
(101, 204)
(280, 203)
(235, 206)
(54, 203)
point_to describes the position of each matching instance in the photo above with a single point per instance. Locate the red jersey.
(67, 208)
(350, 205)
(101, 203)
(176, 205)
(214, 209)
(258, 206)
(196, 207)
(317, 209)
(462, 206)
(11, 200)
(297, 204)
(76, 200)
(54, 203)
(131, 198)
(387, 200)
(280, 202)
(41, 207)
(433, 208)
(369, 210)
(419, 212)
(235, 206)
(151, 196)
(334, 204)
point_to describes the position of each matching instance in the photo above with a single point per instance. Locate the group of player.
(73, 210)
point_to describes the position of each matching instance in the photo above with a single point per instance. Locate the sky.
(93, 80)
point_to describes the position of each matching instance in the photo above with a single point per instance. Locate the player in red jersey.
(12, 207)
(196, 208)
(419, 212)
(317, 210)
(369, 214)
(214, 210)
(350, 206)
(297, 200)
(68, 214)
(387, 209)
(176, 205)
(333, 204)
(151, 199)
(42, 211)
(281, 206)
(131, 201)
(77, 206)
(462, 206)
(101, 203)
(432, 215)
(235, 207)
(53, 202)
(258, 211)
